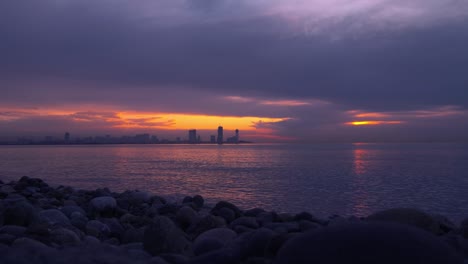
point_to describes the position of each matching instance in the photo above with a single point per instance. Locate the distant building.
(234, 139)
(67, 137)
(198, 139)
(213, 139)
(142, 139)
(220, 135)
(193, 136)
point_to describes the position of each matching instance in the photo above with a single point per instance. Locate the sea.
(323, 179)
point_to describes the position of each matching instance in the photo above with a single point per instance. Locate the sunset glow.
(189, 121)
(373, 123)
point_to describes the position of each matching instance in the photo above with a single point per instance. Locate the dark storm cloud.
(254, 55)
(232, 57)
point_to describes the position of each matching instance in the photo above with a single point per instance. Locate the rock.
(163, 236)
(158, 260)
(168, 209)
(91, 241)
(276, 242)
(222, 256)
(13, 230)
(64, 237)
(78, 220)
(407, 216)
(284, 227)
(198, 201)
(464, 228)
(444, 224)
(246, 221)
(7, 239)
(18, 212)
(53, 217)
(115, 228)
(31, 245)
(231, 206)
(187, 199)
(186, 216)
(175, 258)
(228, 214)
(70, 209)
(97, 229)
(266, 217)
(255, 243)
(367, 243)
(212, 240)
(305, 225)
(103, 206)
(204, 224)
(133, 235)
(254, 212)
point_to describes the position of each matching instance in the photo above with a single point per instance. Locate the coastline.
(62, 224)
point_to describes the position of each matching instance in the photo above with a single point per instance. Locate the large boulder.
(366, 243)
(17, 211)
(103, 206)
(407, 216)
(212, 240)
(163, 236)
(53, 217)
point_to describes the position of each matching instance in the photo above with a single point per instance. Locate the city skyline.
(280, 71)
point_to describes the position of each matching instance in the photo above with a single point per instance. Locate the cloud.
(311, 61)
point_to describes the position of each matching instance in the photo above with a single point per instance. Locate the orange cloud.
(171, 121)
(372, 123)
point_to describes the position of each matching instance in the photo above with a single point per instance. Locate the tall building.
(192, 136)
(237, 135)
(220, 135)
(213, 139)
(67, 137)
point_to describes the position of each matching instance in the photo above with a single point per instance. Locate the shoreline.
(62, 224)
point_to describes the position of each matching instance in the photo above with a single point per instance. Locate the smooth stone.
(70, 209)
(133, 235)
(204, 224)
(116, 229)
(407, 216)
(464, 228)
(222, 256)
(276, 242)
(175, 258)
(228, 214)
(91, 241)
(186, 216)
(284, 227)
(18, 212)
(254, 212)
(187, 199)
(78, 220)
(7, 239)
(163, 236)
(157, 260)
(246, 221)
(53, 217)
(285, 217)
(13, 230)
(97, 229)
(30, 244)
(305, 225)
(265, 218)
(255, 243)
(198, 201)
(65, 237)
(212, 240)
(384, 243)
(103, 206)
(229, 205)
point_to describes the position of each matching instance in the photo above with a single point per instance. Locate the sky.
(277, 70)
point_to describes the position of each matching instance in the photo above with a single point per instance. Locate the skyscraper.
(220, 135)
(67, 137)
(237, 135)
(213, 139)
(193, 136)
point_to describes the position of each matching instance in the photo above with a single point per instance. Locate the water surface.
(325, 179)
